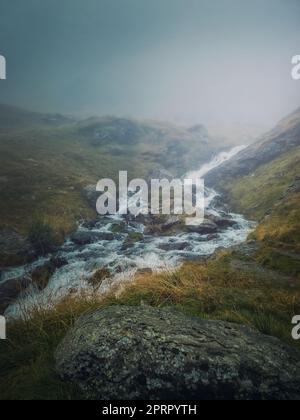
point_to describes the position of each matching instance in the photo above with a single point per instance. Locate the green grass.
(211, 291)
(271, 195)
(256, 194)
(45, 166)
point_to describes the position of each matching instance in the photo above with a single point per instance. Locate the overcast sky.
(204, 61)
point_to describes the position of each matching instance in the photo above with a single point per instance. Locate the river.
(156, 253)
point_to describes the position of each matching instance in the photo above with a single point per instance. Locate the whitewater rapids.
(150, 253)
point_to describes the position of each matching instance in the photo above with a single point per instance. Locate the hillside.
(47, 160)
(263, 182)
(255, 284)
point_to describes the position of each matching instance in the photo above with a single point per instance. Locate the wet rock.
(118, 227)
(14, 249)
(222, 222)
(132, 239)
(89, 224)
(140, 218)
(41, 275)
(212, 237)
(154, 230)
(164, 225)
(170, 223)
(174, 246)
(10, 290)
(58, 262)
(96, 280)
(89, 237)
(205, 228)
(145, 353)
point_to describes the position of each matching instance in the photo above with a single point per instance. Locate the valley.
(238, 269)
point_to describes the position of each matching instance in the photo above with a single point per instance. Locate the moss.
(133, 238)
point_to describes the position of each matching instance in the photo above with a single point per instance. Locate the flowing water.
(153, 252)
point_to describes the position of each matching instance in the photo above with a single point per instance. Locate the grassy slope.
(271, 195)
(43, 173)
(46, 161)
(233, 287)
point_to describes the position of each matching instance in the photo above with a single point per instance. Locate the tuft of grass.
(42, 237)
(27, 362)
(216, 290)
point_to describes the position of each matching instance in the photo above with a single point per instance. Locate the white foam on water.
(124, 262)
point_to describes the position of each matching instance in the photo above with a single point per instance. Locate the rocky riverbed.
(111, 250)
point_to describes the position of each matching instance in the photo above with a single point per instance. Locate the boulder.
(85, 237)
(171, 222)
(207, 227)
(41, 275)
(174, 246)
(10, 290)
(58, 262)
(132, 239)
(14, 249)
(147, 353)
(222, 222)
(97, 278)
(153, 230)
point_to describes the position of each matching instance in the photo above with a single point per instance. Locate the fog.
(210, 61)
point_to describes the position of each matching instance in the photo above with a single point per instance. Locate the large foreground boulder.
(147, 353)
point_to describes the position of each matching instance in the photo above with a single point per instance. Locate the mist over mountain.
(284, 138)
(133, 301)
(189, 62)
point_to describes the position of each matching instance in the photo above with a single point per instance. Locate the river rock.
(10, 290)
(97, 278)
(132, 239)
(41, 275)
(174, 246)
(14, 249)
(170, 223)
(222, 222)
(85, 237)
(145, 353)
(204, 228)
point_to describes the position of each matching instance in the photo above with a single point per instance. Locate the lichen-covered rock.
(147, 353)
